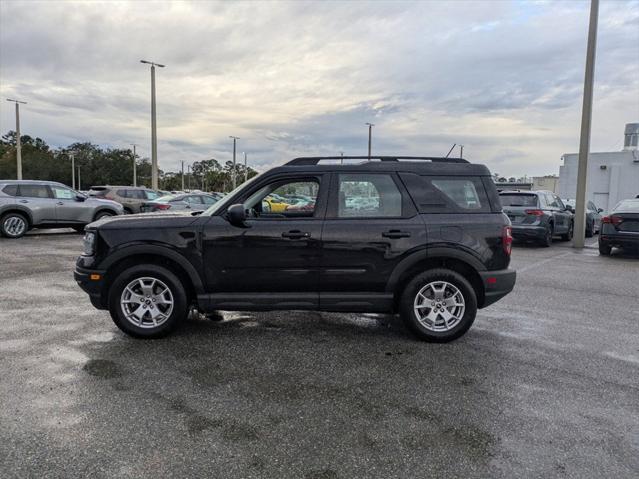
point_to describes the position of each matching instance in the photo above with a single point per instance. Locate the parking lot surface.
(545, 384)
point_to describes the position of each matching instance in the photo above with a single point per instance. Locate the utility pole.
(245, 169)
(189, 175)
(72, 156)
(461, 151)
(235, 138)
(341, 161)
(79, 182)
(154, 134)
(135, 180)
(586, 120)
(18, 142)
(182, 175)
(370, 134)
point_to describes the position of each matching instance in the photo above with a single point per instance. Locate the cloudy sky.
(503, 78)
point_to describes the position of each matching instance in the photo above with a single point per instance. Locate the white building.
(611, 177)
(548, 183)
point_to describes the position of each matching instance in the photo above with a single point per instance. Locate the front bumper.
(528, 232)
(497, 284)
(91, 281)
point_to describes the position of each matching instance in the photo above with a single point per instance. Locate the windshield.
(518, 200)
(627, 206)
(225, 201)
(166, 198)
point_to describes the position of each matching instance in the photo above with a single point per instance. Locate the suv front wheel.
(438, 305)
(147, 301)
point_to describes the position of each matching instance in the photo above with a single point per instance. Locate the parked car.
(26, 204)
(130, 197)
(437, 249)
(593, 216)
(186, 201)
(620, 228)
(537, 215)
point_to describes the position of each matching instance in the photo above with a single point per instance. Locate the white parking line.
(540, 263)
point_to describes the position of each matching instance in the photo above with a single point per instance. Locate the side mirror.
(80, 198)
(599, 210)
(237, 215)
(569, 208)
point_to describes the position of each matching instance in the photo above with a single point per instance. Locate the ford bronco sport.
(422, 237)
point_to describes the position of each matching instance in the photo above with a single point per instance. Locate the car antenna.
(451, 149)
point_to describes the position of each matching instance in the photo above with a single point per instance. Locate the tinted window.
(368, 196)
(461, 191)
(518, 200)
(631, 206)
(123, 193)
(209, 200)
(151, 195)
(34, 191)
(269, 201)
(193, 200)
(62, 193)
(11, 190)
(551, 201)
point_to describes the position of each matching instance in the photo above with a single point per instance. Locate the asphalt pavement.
(545, 384)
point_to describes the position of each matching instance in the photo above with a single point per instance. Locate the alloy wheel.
(147, 302)
(439, 306)
(14, 226)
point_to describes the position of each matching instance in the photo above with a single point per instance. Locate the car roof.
(419, 165)
(31, 182)
(120, 186)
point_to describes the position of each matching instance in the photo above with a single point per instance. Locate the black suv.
(424, 237)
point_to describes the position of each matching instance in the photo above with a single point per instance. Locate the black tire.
(590, 229)
(79, 229)
(546, 241)
(178, 313)
(407, 310)
(14, 225)
(128, 211)
(102, 214)
(568, 236)
(604, 249)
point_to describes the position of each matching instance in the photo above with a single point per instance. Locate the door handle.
(60, 203)
(296, 234)
(396, 234)
(24, 201)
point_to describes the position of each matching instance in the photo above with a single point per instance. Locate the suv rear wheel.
(568, 235)
(147, 301)
(14, 225)
(546, 241)
(438, 305)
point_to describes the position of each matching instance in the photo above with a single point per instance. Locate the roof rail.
(314, 160)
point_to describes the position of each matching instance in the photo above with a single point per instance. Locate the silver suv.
(26, 204)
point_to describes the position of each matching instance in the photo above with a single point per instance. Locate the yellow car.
(274, 205)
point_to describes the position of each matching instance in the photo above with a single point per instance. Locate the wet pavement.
(545, 384)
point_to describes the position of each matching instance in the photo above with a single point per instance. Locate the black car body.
(438, 223)
(620, 228)
(593, 216)
(537, 215)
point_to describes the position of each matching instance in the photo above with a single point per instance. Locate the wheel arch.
(456, 260)
(152, 254)
(103, 209)
(22, 211)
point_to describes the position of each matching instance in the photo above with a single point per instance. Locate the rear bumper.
(497, 284)
(528, 232)
(91, 282)
(620, 240)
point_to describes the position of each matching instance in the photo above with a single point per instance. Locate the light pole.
(182, 175)
(461, 151)
(18, 143)
(72, 156)
(135, 180)
(245, 169)
(79, 182)
(370, 134)
(188, 169)
(154, 134)
(579, 228)
(235, 138)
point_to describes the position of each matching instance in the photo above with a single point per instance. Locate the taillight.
(534, 212)
(612, 220)
(507, 239)
(162, 206)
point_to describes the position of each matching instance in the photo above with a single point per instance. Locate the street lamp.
(245, 169)
(370, 133)
(235, 138)
(135, 181)
(154, 136)
(18, 143)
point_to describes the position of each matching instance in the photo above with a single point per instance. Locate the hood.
(145, 220)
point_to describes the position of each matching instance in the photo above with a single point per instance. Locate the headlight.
(89, 243)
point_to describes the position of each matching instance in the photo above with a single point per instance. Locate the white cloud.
(502, 78)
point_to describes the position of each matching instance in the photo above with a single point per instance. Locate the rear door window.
(366, 195)
(34, 191)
